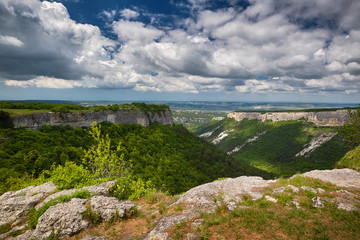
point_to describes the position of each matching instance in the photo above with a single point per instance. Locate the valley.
(200, 175)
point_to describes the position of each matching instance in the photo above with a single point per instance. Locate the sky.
(226, 50)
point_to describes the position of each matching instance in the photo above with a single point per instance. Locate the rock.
(317, 202)
(192, 236)
(93, 238)
(293, 188)
(25, 236)
(278, 190)
(308, 188)
(100, 189)
(231, 206)
(163, 224)
(271, 199)
(347, 207)
(108, 207)
(231, 189)
(320, 191)
(296, 204)
(62, 220)
(196, 223)
(341, 177)
(342, 191)
(16, 205)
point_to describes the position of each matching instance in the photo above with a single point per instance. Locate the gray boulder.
(341, 177)
(347, 207)
(100, 189)
(308, 188)
(317, 202)
(278, 190)
(93, 238)
(62, 220)
(108, 207)
(230, 189)
(16, 205)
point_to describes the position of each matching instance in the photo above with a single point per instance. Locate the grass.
(350, 160)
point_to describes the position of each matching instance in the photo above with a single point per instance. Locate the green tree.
(351, 130)
(101, 159)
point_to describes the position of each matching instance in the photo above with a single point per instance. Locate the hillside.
(282, 147)
(163, 154)
(316, 205)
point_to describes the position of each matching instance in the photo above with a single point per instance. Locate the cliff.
(326, 118)
(84, 119)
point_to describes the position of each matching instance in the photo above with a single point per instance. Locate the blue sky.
(228, 50)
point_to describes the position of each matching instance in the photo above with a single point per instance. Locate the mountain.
(280, 147)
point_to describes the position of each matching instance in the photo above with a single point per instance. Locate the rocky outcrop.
(62, 220)
(341, 177)
(67, 219)
(109, 207)
(325, 118)
(14, 206)
(85, 119)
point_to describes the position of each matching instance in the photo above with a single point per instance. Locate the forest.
(170, 157)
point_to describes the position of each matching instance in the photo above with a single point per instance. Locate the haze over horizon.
(226, 50)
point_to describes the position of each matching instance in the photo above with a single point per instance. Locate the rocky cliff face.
(84, 119)
(328, 118)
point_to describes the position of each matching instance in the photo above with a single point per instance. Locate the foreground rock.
(62, 220)
(230, 189)
(110, 207)
(14, 206)
(67, 219)
(340, 177)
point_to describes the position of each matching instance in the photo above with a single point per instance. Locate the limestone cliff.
(84, 119)
(326, 118)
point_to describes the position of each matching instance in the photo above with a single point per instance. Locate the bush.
(127, 188)
(69, 176)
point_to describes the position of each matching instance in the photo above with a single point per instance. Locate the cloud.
(9, 40)
(129, 14)
(296, 46)
(44, 82)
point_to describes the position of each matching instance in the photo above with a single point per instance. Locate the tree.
(351, 130)
(102, 160)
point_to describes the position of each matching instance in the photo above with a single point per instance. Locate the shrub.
(102, 160)
(127, 188)
(69, 176)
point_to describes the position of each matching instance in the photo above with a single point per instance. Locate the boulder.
(93, 238)
(308, 188)
(271, 199)
(231, 206)
(293, 188)
(109, 207)
(278, 190)
(341, 177)
(230, 189)
(100, 189)
(347, 207)
(317, 202)
(62, 220)
(16, 205)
